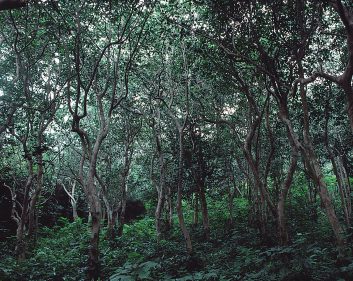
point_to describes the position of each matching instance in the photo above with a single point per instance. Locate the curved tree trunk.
(282, 226)
(20, 249)
(314, 167)
(311, 162)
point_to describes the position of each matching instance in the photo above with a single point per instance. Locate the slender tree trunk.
(158, 214)
(124, 176)
(121, 222)
(345, 190)
(205, 219)
(327, 203)
(231, 196)
(316, 175)
(161, 195)
(95, 207)
(196, 209)
(179, 206)
(339, 171)
(74, 210)
(20, 249)
(73, 201)
(110, 218)
(260, 188)
(315, 170)
(170, 208)
(95, 210)
(282, 226)
(199, 171)
(93, 250)
(231, 192)
(32, 223)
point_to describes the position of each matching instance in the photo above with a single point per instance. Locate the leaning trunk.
(315, 170)
(344, 189)
(329, 209)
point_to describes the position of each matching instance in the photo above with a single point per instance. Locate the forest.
(176, 140)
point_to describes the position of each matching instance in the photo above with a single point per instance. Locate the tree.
(98, 82)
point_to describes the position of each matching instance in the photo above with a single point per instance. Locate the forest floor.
(234, 252)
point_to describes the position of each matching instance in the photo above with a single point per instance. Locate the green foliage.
(136, 271)
(235, 253)
(59, 253)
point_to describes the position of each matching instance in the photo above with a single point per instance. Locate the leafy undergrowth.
(232, 253)
(238, 255)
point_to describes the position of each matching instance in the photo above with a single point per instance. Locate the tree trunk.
(95, 209)
(20, 249)
(349, 95)
(74, 210)
(110, 219)
(261, 189)
(93, 250)
(230, 205)
(282, 226)
(199, 171)
(179, 207)
(314, 167)
(122, 213)
(124, 176)
(344, 189)
(161, 195)
(170, 208)
(327, 203)
(196, 209)
(158, 214)
(339, 171)
(73, 201)
(205, 220)
(32, 223)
